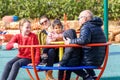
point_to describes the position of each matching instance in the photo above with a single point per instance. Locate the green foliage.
(56, 8)
(114, 9)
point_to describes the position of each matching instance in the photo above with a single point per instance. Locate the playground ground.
(112, 71)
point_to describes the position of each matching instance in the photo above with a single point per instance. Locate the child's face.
(26, 28)
(57, 29)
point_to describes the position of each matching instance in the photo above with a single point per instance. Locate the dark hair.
(70, 33)
(42, 17)
(57, 22)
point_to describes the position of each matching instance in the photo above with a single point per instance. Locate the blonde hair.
(22, 21)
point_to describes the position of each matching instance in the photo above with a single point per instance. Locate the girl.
(26, 37)
(2, 33)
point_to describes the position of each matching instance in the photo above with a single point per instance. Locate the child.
(72, 57)
(2, 32)
(52, 53)
(1, 40)
(3, 28)
(26, 37)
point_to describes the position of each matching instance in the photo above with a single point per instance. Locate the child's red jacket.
(25, 52)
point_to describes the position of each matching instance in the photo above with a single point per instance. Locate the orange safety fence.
(35, 68)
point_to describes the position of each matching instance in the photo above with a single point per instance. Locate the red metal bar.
(33, 62)
(30, 75)
(70, 45)
(105, 63)
(66, 26)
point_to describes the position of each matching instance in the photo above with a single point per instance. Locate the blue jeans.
(12, 67)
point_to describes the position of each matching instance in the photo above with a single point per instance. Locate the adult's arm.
(84, 38)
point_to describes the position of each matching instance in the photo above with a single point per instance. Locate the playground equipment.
(10, 18)
(40, 68)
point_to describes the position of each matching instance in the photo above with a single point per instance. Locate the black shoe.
(43, 63)
(94, 77)
(44, 58)
(89, 78)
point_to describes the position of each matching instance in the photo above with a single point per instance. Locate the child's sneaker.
(44, 58)
(43, 62)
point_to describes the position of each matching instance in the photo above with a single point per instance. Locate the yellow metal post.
(60, 48)
(60, 53)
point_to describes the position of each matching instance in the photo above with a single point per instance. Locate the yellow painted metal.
(60, 48)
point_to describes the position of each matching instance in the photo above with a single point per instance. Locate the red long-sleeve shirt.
(25, 52)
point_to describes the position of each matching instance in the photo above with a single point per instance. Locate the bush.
(56, 8)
